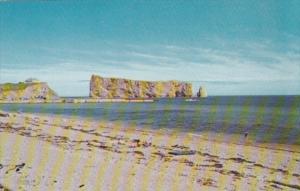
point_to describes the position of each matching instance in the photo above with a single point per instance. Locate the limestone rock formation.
(26, 91)
(202, 92)
(123, 88)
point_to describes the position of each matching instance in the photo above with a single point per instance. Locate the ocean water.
(266, 118)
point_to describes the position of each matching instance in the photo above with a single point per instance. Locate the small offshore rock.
(178, 152)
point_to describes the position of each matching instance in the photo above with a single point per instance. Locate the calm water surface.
(268, 118)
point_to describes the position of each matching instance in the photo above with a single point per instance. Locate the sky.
(231, 47)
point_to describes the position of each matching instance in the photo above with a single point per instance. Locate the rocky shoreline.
(54, 153)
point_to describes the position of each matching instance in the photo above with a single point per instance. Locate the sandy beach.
(39, 152)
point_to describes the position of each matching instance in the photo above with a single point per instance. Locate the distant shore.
(57, 153)
(79, 100)
(93, 100)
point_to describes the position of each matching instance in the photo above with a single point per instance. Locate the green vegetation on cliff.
(12, 86)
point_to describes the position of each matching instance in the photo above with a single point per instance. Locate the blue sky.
(231, 47)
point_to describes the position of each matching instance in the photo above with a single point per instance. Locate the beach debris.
(135, 143)
(182, 174)
(187, 162)
(296, 175)
(3, 114)
(207, 182)
(2, 188)
(182, 152)
(272, 169)
(281, 170)
(102, 146)
(160, 154)
(179, 146)
(5, 125)
(236, 174)
(285, 184)
(80, 186)
(146, 144)
(240, 160)
(276, 186)
(139, 153)
(208, 155)
(120, 142)
(99, 144)
(216, 165)
(259, 165)
(84, 131)
(212, 160)
(17, 168)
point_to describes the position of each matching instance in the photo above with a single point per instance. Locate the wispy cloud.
(229, 63)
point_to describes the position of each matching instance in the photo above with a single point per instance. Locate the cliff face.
(124, 88)
(26, 92)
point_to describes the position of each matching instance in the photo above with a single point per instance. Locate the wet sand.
(39, 152)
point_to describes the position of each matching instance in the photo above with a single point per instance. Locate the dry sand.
(53, 153)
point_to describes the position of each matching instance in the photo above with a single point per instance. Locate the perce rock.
(123, 88)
